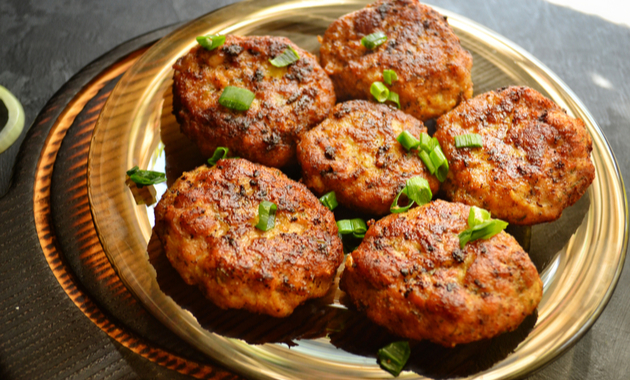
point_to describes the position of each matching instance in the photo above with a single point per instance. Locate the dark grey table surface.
(44, 43)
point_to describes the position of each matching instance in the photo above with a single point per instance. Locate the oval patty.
(410, 276)
(206, 223)
(355, 154)
(433, 69)
(289, 100)
(535, 160)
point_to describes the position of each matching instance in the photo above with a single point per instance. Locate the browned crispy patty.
(355, 154)
(288, 100)
(206, 223)
(410, 275)
(433, 69)
(535, 159)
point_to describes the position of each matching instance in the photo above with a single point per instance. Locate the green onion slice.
(418, 191)
(329, 200)
(393, 97)
(359, 228)
(477, 216)
(424, 156)
(288, 56)
(373, 40)
(470, 140)
(15, 122)
(480, 226)
(393, 357)
(219, 153)
(440, 162)
(379, 91)
(145, 177)
(236, 98)
(426, 143)
(211, 41)
(356, 227)
(407, 140)
(389, 76)
(266, 215)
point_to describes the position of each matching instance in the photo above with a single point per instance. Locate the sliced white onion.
(15, 124)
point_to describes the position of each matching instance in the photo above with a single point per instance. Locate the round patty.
(355, 153)
(410, 276)
(535, 159)
(206, 223)
(433, 69)
(288, 100)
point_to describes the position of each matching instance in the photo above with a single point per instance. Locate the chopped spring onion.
(480, 226)
(219, 153)
(418, 191)
(236, 98)
(393, 97)
(477, 216)
(389, 76)
(288, 56)
(211, 41)
(266, 215)
(329, 200)
(470, 140)
(356, 227)
(15, 121)
(145, 177)
(393, 357)
(374, 40)
(440, 162)
(424, 156)
(407, 140)
(379, 91)
(426, 143)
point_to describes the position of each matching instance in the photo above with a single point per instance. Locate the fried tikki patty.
(206, 223)
(288, 99)
(410, 276)
(355, 153)
(433, 69)
(535, 160)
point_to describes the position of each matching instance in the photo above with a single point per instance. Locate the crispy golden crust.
(288, 100)
(355, 153)
(534, 163)
(206, 223)
(433, 69)
(410, 276)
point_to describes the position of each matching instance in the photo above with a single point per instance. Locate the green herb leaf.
(345, 226)
(373, 40)
(236, 98)
(407, 140)
(211, 41)
(145, 177)
(288, 56)
(470, 140)
(393, 97)
(389, 76)
(477, 216)
(379, 91)
(393, 357)
(329, 200)
(266, 216)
